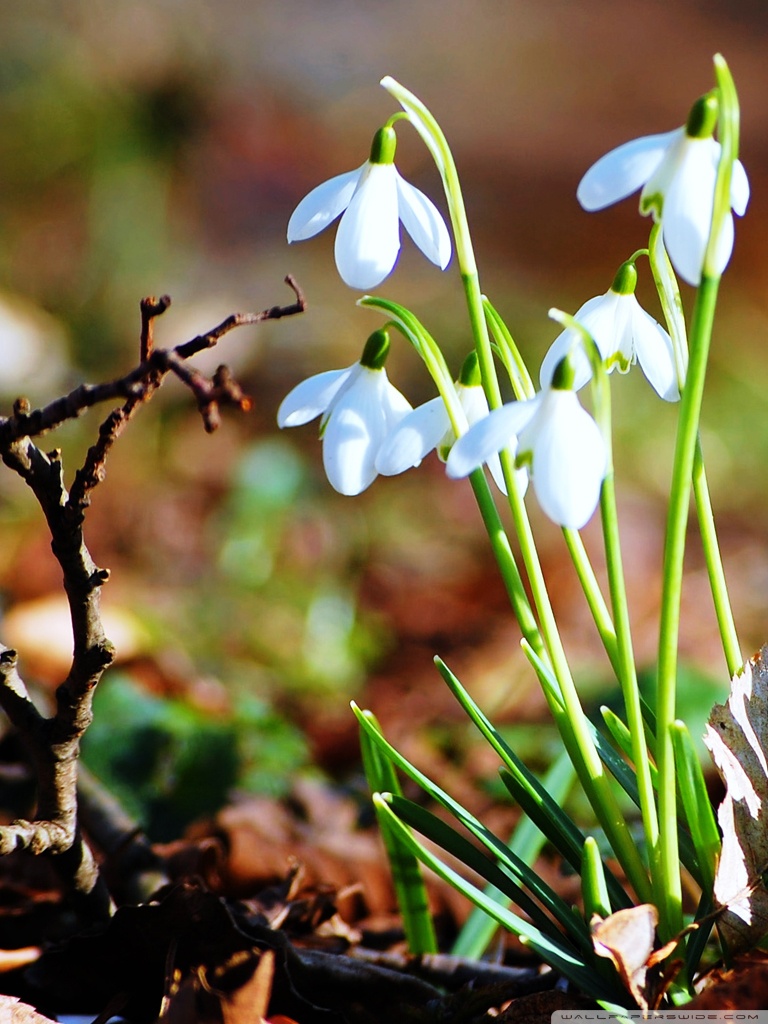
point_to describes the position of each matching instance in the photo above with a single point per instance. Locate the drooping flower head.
(373, 200)
(554, 437)
(429, 428)
(677, 171)
(624, 333)
(358, 406)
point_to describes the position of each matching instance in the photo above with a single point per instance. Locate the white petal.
(620, 350)
(687, 210)
(623, 171)
(595, 316)
(475, 406)
(604, 318)
(368, 239)
(473, 401)
(521, 475)
(739, 188)
(488, 436)
(322, 205)
(724, 244)
(569, 459)
(355, 430)
(312, 397)
(424, 223)
(394, 404)
(414, 437)
(653, 348)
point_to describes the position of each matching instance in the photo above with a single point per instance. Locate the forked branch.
(54, 742)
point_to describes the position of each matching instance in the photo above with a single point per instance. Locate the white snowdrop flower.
(358, 406)
(676, 171)
(624, 334)
(555, 437)
(428, 428)
(374, 200)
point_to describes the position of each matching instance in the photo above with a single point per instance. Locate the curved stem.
(586, 759)
(714, 562)
(685, 453)
(677, 519)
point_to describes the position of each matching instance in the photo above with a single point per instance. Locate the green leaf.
(622, 737)
(527, 841)
(518, 870)
(593, 884)
(554, 952)
(509, 353)
(705, 834)
(407, 878)
(505, 874)
(533, 798)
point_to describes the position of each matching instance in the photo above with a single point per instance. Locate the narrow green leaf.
(697, 805)
(505, 874)
(517, 868)
(526, 841)
(622, 737)
(509, 353)
(555, 953)
(407, 878)
(694, 947)
(537, 794)
(379, 770)
(593, 884)
(533, 798)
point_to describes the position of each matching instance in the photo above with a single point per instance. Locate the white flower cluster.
(368, 427)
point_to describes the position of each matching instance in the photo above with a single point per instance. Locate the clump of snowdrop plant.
(560, 438)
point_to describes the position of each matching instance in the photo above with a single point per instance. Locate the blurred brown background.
(160, 147)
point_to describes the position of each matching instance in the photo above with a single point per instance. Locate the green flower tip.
(470, 372)
(383, 146)
(625, 281)
(703, 117)
(563, 375)
(376, 350)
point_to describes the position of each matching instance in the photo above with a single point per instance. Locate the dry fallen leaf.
(12, 1011)
(743, 987)
(627, 938)
(737, 737)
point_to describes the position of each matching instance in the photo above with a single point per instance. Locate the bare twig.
(137, 383)
(150, 309)
(54, 742)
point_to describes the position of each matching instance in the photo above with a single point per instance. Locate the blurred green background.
(160, 147)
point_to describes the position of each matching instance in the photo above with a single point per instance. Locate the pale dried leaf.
(627, 938)
(737, 737)
(248, 1004)
(14, 1012)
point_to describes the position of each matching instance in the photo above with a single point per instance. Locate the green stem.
(595, 600)
(505, 560)
(586, 759)
(627, 673)
(437, 144)
(682, 481)
(715, 571)
(671, 302)
(670, 908)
